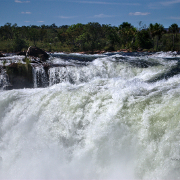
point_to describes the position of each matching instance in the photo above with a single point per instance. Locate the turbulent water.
(114, 116)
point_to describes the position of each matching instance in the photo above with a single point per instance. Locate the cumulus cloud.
(139, 13)
(17, 1)
(25, 12)
(102, 16)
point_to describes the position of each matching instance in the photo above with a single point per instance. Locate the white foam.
(113, 126)
(169, 54)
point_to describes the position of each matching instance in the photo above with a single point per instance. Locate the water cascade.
(115, 117)
(40, 77)
(4, 79)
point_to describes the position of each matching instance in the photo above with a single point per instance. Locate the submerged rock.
(37, 52)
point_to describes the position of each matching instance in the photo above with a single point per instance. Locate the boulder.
(1, 55)
(37, 52)
(20, 76)
(21, 53)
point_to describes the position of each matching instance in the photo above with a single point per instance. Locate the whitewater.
(113, 116)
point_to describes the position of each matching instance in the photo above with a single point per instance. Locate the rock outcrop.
(37, 52)
(20, 76)
(22, 53)
(1, 55)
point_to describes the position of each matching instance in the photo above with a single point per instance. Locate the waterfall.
(40, 77)
(4, 79)
(115, 118)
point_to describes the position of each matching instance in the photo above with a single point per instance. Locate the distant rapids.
(113, 116)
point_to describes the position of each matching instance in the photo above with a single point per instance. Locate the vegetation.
(89, 37)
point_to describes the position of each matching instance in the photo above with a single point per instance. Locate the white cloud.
(154, 6)
(17, 1)
(106, 3)
(167, 3)
(159, 5)
(139, 14)
(40, 21)
(25, 12)
(26, 21)
(102, 16)
(177, 18)
(67, 17)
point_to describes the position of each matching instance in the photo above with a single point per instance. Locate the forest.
(90, 38)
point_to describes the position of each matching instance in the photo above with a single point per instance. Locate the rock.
(1, 55)
(21, 53)
(20, 75)
(37, 52)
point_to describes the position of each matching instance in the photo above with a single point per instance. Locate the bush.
(19, 44)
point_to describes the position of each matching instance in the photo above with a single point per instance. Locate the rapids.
(111, 116)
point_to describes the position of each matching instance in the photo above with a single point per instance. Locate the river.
(110, 116)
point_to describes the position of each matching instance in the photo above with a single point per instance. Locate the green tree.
(7, 32)
(62, 36)
(34, 35)
(24, 32)
(93, 34)
(53, 26)
(42, 32)
(143, 39)
(111, 36)
(82, 40)
(156, 30)
(90, 37)
(19, 44)
(127, 34)
(73, 32)
(174, 30)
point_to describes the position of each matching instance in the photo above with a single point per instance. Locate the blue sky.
(68, 12)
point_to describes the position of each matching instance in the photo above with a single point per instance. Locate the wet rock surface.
(20, 76)
(1, 55)
(37, 52)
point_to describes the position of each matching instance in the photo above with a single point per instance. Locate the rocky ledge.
(37, 52)
(17, 72)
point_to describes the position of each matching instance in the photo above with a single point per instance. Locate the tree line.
(90, 37)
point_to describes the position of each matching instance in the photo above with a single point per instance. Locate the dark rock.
(37, 52)
(1, 67)
(1, 55)
(21, 53)
(20, 75)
